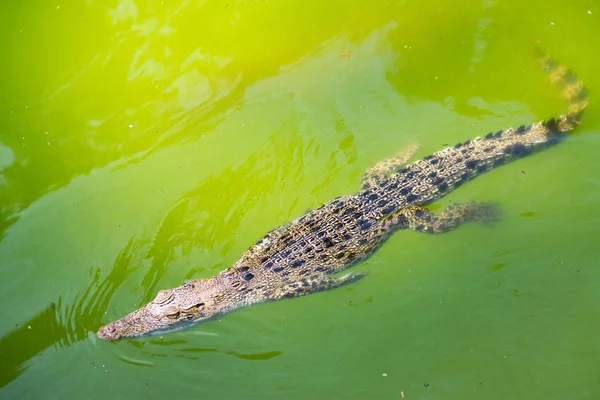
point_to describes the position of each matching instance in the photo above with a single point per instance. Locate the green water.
(146, 143)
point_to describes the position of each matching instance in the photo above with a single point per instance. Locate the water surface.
(146, 143)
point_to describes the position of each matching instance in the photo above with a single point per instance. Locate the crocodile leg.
(423, 220)
(313, 283)
(380, 171)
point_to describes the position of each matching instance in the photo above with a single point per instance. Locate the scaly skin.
(299, 258)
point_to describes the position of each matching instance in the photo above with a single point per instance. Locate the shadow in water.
(194, 353)
(50, 328)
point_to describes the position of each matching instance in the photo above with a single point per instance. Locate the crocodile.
(304, 256)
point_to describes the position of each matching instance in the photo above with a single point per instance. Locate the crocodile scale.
(302, 256)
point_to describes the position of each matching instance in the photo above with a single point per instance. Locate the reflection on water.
(158, 77)
(61, 324)
(75, 137)
(41, 332)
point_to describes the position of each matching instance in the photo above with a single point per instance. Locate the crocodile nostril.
(108, 332)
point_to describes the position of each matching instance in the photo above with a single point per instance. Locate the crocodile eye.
(163, 297)
(194, 307)
(173, 316)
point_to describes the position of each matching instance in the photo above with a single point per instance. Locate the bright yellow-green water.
(146, 143)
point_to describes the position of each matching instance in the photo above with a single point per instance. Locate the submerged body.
(299, 258)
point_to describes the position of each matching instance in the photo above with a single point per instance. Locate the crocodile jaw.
(171, 310)
(138, 323)
(142, 322)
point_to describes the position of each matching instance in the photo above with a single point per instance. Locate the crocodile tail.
(572, 90)
(438, 174)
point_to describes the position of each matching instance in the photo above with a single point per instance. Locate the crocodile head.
(171, 310)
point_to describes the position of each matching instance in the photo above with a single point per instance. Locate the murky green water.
(146, 143)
